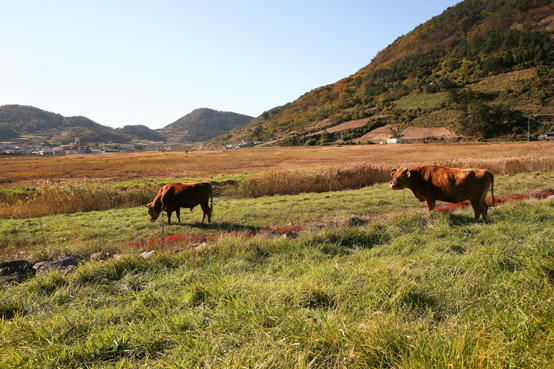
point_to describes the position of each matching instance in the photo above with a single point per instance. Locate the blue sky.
(151, 62)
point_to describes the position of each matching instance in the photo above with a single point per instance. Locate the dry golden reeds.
(295, 182)
(508, 165)
(358, 176)
(73, 198)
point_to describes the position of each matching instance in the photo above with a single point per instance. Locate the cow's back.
(186, 195)
(450, 184)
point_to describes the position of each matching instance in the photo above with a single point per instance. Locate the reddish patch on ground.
(502, 200)
(196, 239)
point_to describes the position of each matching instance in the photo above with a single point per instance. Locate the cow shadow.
(459, 220)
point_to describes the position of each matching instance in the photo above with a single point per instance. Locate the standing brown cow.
(431, 183)
(174, 196)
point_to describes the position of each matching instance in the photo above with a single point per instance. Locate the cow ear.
(407, 171)
(148, 205)
(393, 171)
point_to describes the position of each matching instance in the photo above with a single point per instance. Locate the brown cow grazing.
(174, 196)
(431, 183)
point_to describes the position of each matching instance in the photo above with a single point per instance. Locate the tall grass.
(358, 176)
(58, 198)
(73, 198)
(508, 165)
(292, 183)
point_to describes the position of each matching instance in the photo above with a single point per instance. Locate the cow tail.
(491, 176)
(212, 204)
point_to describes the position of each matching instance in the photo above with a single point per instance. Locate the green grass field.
(421, 101)
(369, 281)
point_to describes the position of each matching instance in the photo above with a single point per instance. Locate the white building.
(46, 151)
(395, 140)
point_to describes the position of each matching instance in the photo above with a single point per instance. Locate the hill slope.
(203, 124)
(19, 120)
(482, 67)
(142, 133)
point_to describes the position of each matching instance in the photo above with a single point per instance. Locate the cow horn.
(393, 170)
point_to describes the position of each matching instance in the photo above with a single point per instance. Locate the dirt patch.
(378, 134)
(548, 23)
(416, 133)
(347, 125)
(382, 134)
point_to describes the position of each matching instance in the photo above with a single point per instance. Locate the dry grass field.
(34, 170)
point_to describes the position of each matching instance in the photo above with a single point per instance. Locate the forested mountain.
(19, 120)
(141, 132)
(482, 67)
(203, 124)
(198, 126)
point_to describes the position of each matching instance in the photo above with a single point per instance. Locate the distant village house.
(394, 140)
(71, 148)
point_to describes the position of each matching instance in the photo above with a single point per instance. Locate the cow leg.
(206, 211)
(178, 213)
(169, 217)
(477, 209)
(484, 208)
(430, 204)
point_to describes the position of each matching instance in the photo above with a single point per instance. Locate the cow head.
(152, 212)
(400, 178)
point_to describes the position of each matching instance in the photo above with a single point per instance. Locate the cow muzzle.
(153, 213)
(393, 184)
(396, 184)
(154, 216)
